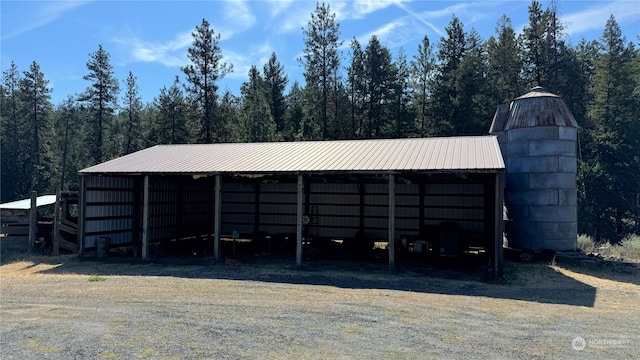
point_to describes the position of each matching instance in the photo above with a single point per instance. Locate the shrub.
(629, 248)
(586, 244)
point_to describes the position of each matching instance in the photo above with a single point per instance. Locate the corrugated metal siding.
(430, 154)
(238, 208)
(278, 200)
(462, 203)
(110, 204)
(334, 209)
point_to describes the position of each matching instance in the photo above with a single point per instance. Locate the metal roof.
(539, 107)
(479, 153)
(26, 203)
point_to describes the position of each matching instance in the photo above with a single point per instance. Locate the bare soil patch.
(198, 309)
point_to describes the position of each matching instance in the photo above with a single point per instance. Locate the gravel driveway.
(49, 309)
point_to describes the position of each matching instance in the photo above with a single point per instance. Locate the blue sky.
(150, 38)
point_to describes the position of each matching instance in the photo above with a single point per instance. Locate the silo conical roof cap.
(539, 107)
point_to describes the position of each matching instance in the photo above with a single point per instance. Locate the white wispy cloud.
(596, 16)
(237, 18)
(276, 7)
(170, 53)
(386, 34)
(42, 15)
(293, 19)
(362, 8)
(422, 19)
(257, 55)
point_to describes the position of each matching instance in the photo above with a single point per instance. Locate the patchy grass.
(93, 278)
(147, 353)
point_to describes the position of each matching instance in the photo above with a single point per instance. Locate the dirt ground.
(50, 308)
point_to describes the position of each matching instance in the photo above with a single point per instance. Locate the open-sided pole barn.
(302, 196)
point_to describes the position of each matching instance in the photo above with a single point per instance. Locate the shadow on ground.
(620, 271)
(535, 282)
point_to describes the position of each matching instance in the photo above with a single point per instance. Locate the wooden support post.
(256, 209)
(421, 192)
(33, 222)
(145, 218)
(82, 205)
(56, 221)
(498, 226)
(136, 235)
(211, 189)
(217, 216)
(179, 210)
(392, 221)
(299, 220)
(361, 192)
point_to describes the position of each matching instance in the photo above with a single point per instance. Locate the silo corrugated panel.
(541, 196)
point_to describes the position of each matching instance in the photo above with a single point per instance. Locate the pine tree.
(379, 77)
(70, 136)
(534, 45)
(170, 127)
(556, 51)
(36, 96)
(275, 80)
(132, 113)
(101, 98)
(15, 140)
(423, 67)
(504, 64)
(356, 88)
(612, 180)
(472, 104)
(229, 111)
(451, 52)
(295, 117)
(205, 70)
(321, 60)
(258, 124)
(402, 119)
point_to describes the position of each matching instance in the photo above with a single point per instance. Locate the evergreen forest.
(452, 86)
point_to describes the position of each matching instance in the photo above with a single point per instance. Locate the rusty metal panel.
(539, 107)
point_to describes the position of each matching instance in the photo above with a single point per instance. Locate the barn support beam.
(498, 225)
(299, 224)
(256, 209)
(145, 218)
(82, 208)
(392, 221)
(361, 190)
(136, 237)
(56, 221)
(33, 221)
(217, 216)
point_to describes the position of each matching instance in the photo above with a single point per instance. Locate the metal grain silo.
(537, 136)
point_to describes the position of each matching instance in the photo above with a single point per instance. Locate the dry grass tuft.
(627, 249)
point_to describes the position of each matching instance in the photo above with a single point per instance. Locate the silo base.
(537, 237)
